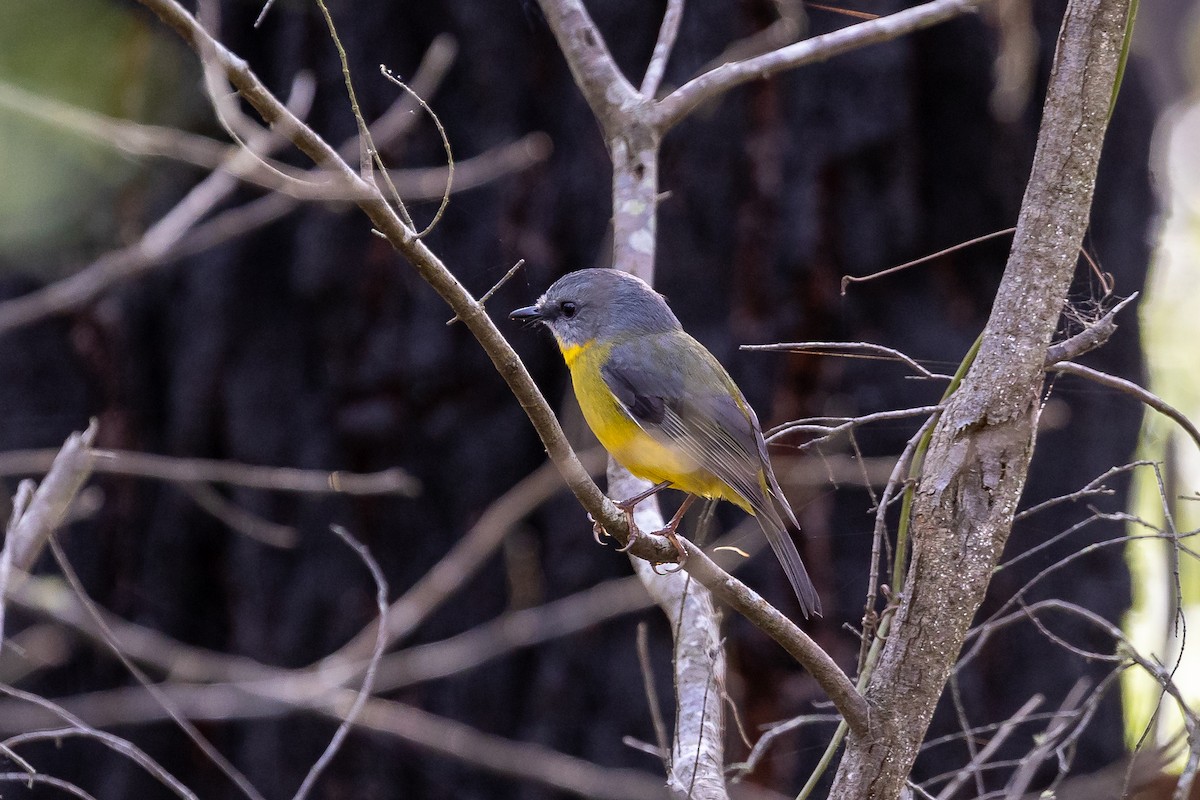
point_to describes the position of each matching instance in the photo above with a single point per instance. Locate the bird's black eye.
(568, 309)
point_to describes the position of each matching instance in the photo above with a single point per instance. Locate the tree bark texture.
(976, 466)
(311, 344)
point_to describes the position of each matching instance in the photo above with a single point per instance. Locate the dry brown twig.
(160, 697)
(468, 309)
(368, 682)
(638, 225)
(77, 727)
(130, 262)
(216, 471)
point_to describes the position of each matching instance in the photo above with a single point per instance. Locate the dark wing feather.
(681, 395)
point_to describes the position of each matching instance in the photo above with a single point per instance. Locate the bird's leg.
(628, 505)
(669, 529)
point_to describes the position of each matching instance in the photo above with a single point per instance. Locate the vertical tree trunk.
(979, 455)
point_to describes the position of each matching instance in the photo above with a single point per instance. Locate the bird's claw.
(598, 532)
(635, 532)
(669, 532)
(667, 568)
(634, 535)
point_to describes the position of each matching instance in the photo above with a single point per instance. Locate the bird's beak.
(528, 315)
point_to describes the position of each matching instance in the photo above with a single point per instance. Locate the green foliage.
(61, 193)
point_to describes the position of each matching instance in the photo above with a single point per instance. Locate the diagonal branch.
(650, 548)
(673, 108)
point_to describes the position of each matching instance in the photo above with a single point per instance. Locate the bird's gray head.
(599, 304)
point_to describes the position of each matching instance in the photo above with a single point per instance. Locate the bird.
(663, 406)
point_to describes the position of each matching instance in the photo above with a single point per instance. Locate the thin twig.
(458, 565)
(849, 279)
(250, 525)
(866, 350)
(368, 681)
(185, 725)
(495, 288)
(430, 733)
(813, 424)
(1093, 336)
(759, 750)
(158, 240)
(206, 470)
(1093, 488)
(980, 758)
(48, 780)
(115, 743)
(437, 216)
(1129, 387)
(656, 717)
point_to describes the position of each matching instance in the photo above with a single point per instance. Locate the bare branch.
(160, 697)
(849, 279)
(207, 470)
(416, 184)
(48, 780)
(515, 629)
(457, 566)
(1095, 335)
(825, 431)
(250, 525)
(515, 759)
(673, 108)
(661, 736)
(155, 242)
(20, 503)
(662, 48)
(48, 506)
(790, 25)
(759, 750)
(431, 733)
(1183, 788)
(608, 93)
(748, 603)
(868, 350)
(1129, 387)
(368, 682)
(697, 754)
(80, 728)
(981, 758)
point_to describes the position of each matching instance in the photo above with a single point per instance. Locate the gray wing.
(684, 397)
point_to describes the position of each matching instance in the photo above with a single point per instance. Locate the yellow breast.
(638, 451)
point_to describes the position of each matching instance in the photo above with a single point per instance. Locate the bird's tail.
(775, 530)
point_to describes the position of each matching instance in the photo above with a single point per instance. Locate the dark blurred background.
(310, 343)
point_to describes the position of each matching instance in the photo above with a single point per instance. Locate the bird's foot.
(669, 532)
(598, 532)
(635, 532)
